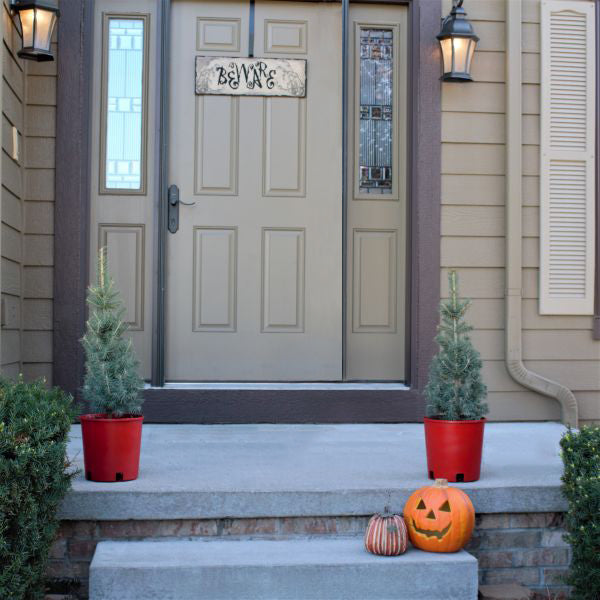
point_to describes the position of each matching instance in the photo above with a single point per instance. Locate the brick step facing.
(332, 567)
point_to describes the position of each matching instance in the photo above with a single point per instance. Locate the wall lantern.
(35, 21)
(458, 41)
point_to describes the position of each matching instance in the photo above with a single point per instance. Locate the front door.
(254, 273)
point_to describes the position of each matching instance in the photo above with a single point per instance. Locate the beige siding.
(27, 210)
(473, 188)
(40, 134)
(12, 206)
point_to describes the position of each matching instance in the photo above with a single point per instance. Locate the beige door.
(254, 274)
(376, 201)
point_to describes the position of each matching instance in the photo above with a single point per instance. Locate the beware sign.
(233, 76)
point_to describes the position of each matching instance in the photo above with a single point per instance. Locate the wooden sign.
(234, 76)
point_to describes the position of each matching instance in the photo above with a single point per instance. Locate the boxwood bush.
(581, 487)
(34, 477)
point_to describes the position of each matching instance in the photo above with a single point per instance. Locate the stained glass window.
(124, 104)
(376, 134)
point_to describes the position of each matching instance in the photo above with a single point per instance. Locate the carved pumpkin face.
(439, 518)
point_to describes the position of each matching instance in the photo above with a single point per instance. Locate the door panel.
(254, 274)
(216, 145)
(284, 147)
(374, 297)
(215, 281)
(123, 199)
(283, 280)
(376, 193)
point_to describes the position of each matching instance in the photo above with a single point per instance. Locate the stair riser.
(389, 580)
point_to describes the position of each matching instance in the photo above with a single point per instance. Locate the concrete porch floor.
(220, 471)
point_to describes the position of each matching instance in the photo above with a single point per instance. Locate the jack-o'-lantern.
(386, 535)
(439, 518)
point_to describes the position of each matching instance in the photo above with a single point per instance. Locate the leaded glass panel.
(124, 104)
(376, 134)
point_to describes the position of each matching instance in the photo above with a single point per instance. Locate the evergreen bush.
(581, 487)
(34, 477)
(112, 384)
(455, 390)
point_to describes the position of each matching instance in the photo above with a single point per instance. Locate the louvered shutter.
(567, 168)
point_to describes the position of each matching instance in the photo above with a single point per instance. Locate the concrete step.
(300, 569)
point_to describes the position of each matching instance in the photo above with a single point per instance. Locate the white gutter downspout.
(514, 202)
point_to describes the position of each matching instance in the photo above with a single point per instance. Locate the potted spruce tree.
(455, 396)
(112, 387)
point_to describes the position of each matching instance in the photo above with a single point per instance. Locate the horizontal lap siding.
(473, 225)
(11, 203)
(27, 209)
(40, 134)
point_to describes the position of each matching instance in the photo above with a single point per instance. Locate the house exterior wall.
(473, 188)
(13, 204)
(473, 229)
(27, 210)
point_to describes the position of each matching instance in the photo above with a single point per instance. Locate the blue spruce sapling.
(112, 384)
(455, 390)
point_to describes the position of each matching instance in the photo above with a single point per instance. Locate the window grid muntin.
(376, 134)
(123, 150)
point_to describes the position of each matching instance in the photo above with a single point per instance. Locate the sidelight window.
(124, 105)
(376, 106)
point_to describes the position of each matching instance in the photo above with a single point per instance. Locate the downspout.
(514, 203)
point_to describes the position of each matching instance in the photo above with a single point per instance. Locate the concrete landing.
(300, 569)
(219, 471)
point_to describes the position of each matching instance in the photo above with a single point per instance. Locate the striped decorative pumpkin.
(386, 535)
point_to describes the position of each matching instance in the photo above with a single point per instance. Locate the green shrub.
(34, 477)
(581, 487)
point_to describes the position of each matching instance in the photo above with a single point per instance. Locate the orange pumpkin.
(439, 518)
(386, 535)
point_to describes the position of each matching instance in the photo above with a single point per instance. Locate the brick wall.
(524, 548)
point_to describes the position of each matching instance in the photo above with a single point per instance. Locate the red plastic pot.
(454, 449)
(111, 447)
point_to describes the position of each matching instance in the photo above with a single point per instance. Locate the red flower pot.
(454, 449)
(111, 447)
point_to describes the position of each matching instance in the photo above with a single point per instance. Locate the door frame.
(330, 403)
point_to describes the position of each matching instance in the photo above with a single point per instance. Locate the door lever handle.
(173, 213)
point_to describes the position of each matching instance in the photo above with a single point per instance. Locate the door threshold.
(220, 385)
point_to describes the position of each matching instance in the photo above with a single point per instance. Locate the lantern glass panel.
(43, 29)
(461, 54)
(470, 52)
(124, 104)
(446, 45)
(27, 18)
(376, 123)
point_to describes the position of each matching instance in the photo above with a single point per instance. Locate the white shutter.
(567, 179)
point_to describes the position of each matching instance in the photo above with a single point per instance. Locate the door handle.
(173, 213)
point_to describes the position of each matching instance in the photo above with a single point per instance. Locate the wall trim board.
(72, 198)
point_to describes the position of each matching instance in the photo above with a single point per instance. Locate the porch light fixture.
(35, 20)
(458, 41)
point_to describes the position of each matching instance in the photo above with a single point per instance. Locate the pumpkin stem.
(441, 483)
